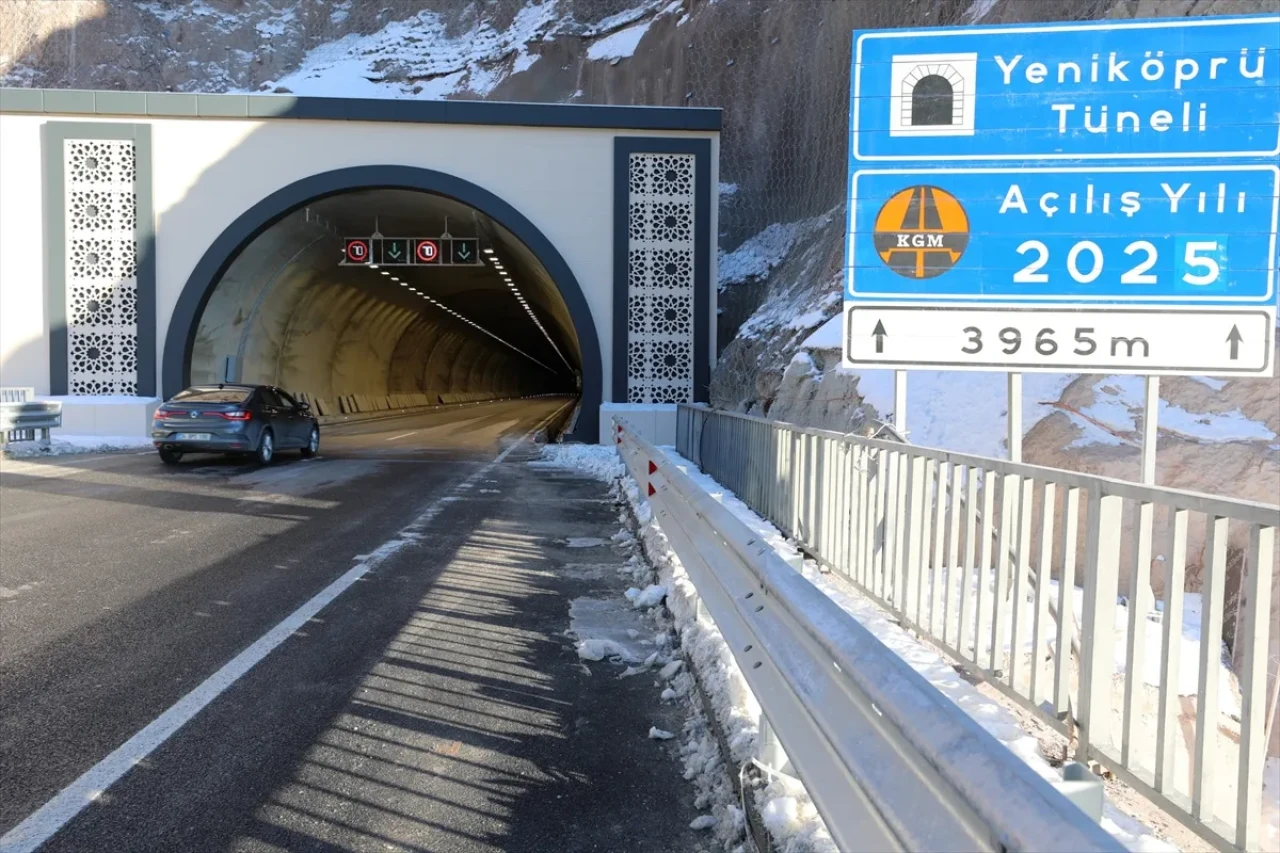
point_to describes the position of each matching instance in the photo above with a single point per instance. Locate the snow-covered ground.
(63, 445)
(787, 809)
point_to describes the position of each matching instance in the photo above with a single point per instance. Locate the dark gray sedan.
(256, 419)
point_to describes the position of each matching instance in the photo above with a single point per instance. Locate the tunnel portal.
(292, 310)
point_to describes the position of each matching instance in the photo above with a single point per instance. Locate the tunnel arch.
(184, 322)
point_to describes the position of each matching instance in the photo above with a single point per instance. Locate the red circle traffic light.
(427, 251)
(358, 251)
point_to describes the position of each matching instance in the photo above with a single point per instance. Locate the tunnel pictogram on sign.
(921, 232)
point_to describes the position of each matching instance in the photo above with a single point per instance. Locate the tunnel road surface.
(423, 697)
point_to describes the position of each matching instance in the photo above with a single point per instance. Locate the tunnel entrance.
(276, 300)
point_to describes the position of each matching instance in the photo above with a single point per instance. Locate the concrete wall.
(24, 333)
(209, 171)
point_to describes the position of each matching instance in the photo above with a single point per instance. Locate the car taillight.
(234, 416)
(162, 414)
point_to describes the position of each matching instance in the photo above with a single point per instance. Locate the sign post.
(1095, 197)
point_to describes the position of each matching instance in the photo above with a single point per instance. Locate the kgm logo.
(921, 232)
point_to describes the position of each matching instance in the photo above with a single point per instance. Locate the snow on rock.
(418, 57)
(1119, 406)
(977, 10)
(656, 733)
(830, 335)
(759, 255)
(619, 45)
(705, 821)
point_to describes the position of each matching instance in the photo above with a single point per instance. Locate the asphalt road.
(428, 699)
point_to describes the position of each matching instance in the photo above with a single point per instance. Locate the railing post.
(1253, 687)
(909, 585)
(1097, 647)
(769, 751)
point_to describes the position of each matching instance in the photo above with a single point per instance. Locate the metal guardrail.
(17, 394)
(890, 763)
(982, 557)
(20, 421)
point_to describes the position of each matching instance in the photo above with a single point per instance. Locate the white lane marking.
(42, 824)
(406, 435)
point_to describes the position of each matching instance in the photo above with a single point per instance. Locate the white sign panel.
(1023, 338)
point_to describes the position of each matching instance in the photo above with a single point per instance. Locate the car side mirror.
(304, 406)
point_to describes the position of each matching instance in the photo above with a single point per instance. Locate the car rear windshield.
(213, 395)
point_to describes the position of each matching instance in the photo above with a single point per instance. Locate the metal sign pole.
(1015, 417)
(1150, 419)
(900, 402)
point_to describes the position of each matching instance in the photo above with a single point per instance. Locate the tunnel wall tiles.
(101, 264)
(661, 275)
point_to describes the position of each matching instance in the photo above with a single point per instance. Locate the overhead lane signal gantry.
(411, 252)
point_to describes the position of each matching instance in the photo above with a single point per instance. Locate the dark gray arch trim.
(493, 113)
(180, 337)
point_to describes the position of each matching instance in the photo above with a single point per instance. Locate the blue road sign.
(1155, 89)
(1097, 235)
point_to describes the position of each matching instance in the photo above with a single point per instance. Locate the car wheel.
(170, 457)
(266, 448)
(313, 444)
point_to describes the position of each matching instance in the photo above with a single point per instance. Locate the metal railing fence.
(983, 557)
(890, 763)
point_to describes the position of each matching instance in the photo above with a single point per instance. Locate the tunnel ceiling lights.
(528, 309)
(473, 324)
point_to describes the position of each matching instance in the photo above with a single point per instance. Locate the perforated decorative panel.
(101, 266)
(660, 278)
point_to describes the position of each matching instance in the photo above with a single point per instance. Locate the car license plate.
(192, 436)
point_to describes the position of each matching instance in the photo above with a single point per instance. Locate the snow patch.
(417, 58)
(66, 445)
(650, 596)
(599, 460)
(977, 10)
(1215, 384)
(757, 256)
(829, 336)
(1119, 401)
(962, 416)
(604, 629)
(620, 45)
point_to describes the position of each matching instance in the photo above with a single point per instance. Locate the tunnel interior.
(287, 311)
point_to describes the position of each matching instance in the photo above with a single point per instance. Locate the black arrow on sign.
(1234, 339)
(878, 332)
